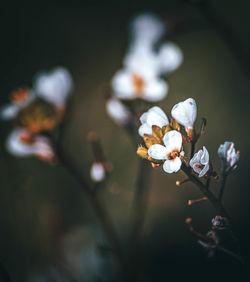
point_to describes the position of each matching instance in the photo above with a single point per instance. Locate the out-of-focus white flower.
(117, 111)
(200, 162)
(21, 143)
(147, 27)
(154, 116)
(131, 85)
(228, 156)
(141, 59)
(185, 113)
(97, 172)
(169, 58)
(19, 99)
(54, 86)
(219, 222)
(170, 152)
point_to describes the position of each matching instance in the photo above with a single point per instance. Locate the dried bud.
(142, 152)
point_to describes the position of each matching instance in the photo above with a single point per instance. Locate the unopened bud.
(97, 172)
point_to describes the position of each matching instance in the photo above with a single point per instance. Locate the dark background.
(40, 204)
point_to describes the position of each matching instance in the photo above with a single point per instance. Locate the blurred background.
(46, 220)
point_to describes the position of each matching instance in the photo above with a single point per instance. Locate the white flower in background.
(54, 86)
(130, 85)
(228, 156)
(185, 113)
(147, 27)
(19, 99)
(200, 162)
(97, 172)
(170, 57)
(170, 152)
(118, 112)
(22, 143)
(154, 116)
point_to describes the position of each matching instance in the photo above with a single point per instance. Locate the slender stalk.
(222, 187)
(214, 201)
(100, 211)
(192, 149)
(140, 202)
(208, 182)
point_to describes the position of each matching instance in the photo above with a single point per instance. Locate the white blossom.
(185, 113)
(170, 152)
(228, 156)
(97, 172)
(154, 116)
(21, 143)
(54, 86)
(117, 111)
(170, 57)
(200, 162)
(130, 85)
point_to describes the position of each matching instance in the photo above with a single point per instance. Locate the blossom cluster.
(164, 141)
(36, 110)
(144, 65)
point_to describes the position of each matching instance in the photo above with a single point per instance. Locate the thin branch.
(222, 187)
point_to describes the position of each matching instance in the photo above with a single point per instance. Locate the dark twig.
(222, 187)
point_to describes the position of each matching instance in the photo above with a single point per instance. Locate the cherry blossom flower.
(54, 86)
(170, 152)
(97, 172)
(169, 57)
(185, 113)
(154, 116)
(147, 27)
(228, 156)
(118, 112)
(200, 162)
(22, 143)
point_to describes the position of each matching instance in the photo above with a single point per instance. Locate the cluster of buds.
(36, 110)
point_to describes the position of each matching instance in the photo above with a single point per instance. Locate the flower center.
(27, 138)
(138, 83)
(173, 155)
(200, 166)
(20, 95)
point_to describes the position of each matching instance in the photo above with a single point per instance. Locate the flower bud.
(228, 156)
(200, 162)
(185, 113)
(97, 172)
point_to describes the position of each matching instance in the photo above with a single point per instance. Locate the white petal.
(205, 156)
(154, 118)
(171, 166)
(185, 113)
(117, 111)
(145, 129)
(157, 152)
(9, 111)
(122, 85)
(54, 86)
(143, 118)
(148, 27)
(170, 58)
(172, 140)
(16, 147)
(155, 90)
(159, 111)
